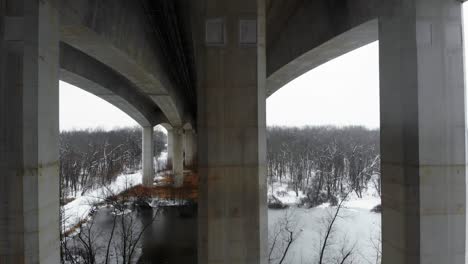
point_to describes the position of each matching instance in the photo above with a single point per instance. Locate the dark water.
(169, 237)
(172, 238)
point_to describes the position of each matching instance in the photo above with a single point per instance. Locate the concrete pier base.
(147, 147)
(29, 122)
(422, 132)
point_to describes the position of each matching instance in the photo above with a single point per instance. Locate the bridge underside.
(240, 52)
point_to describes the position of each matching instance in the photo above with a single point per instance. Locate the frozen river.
(172, 238)
(356, 228)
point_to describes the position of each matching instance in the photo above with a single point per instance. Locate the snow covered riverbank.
(79, 209)
(356, 228)
(370, 197)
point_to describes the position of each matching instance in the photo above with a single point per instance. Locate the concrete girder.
(117, 34)
(335, 47)
(298, 30)
(92, 76)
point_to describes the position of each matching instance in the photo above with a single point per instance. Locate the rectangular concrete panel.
(422, 132)
(29, 122)
(231, 139)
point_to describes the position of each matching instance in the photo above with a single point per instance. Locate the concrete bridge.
(203, 69)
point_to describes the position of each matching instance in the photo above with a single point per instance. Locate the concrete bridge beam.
(422, 132)
(147, 158)
(29, 121)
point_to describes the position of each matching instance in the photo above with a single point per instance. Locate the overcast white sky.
(344, 91)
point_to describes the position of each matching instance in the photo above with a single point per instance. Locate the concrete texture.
(95, 77)
(422, 132)
(118, 34)
(176, 149)
(190, 148)
(341, 44)
(147, 147)
(295, 27)
(231, 138)
(170, 151)
(109, 49)
(29, 121)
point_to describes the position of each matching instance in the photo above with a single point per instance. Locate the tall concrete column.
(29, 122)
(147, 147)
(190, 148)
(178, 156)
(233, 224)
(170, 143)
(422, 132)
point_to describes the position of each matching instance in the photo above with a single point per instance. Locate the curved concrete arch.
(166, 126)
(92, 76)
(348, 41)
(117, 34)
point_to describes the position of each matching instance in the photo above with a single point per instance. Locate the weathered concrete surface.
(29, 122)
(422, 132)
(93, 76)
(147, 147)
(295, 28)
(331, 49)
(190, 148)
(231, 138)
(118, 34)
(176, 154)
(170, 151)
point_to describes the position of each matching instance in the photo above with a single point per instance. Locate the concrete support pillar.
(177, 153)
(147, 158)
(231, 137)
(190, 148)
(170, 143)
(29, 122)
(422, 132)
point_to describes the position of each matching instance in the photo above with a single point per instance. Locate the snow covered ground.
(79, 209)
(370, 197)
(285, 194)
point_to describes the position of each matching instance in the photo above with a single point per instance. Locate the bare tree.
(327, 238)
(375, 242)
(346, 252)
(89, 158)
(122, 241)
(285, 233)
(323, 162)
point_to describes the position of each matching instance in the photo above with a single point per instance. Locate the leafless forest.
(94, 157)
(325, 163)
